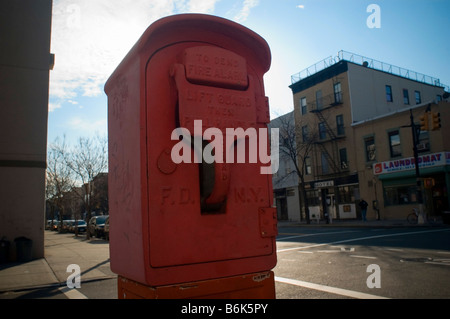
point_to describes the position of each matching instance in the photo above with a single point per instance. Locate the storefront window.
(313, 198)
(346, 194)
(400, 195)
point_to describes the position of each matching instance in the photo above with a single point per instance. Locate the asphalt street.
(314, 262)
(363, 263)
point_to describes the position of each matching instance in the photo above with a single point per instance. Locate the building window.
(394, 143)
(308, 166)
(313, 198)
(305, 136)
(369, 146)
(340, 124)
(322, 131)
(346, 194)
(325, 166)
(417, 96)
(303, 105)
(389, 97)
(400, 195)
(337, 93)
(319, 101)
(405, 97)
(438, 98)
(343, 158)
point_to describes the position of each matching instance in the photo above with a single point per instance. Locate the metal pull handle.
(214, 185)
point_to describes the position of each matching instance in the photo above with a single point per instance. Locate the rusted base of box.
(250, 286)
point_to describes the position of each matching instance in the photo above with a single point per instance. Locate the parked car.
(78, 224)
(66, 224)
(106, 228)
(96, 226)
(55, 225)
(48, 224)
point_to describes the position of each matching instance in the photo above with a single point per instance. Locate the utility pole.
(421, 218)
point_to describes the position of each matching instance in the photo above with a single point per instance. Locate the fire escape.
(331, 153)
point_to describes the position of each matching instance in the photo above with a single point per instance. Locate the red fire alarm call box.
(175, 216)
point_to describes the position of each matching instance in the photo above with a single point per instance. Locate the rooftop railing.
(370, 63)
(315, 68)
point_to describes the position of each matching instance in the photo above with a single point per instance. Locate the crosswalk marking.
(333, 290)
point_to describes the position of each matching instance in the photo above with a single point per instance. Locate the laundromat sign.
(405, 164)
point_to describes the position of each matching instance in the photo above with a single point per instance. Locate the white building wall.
(293, 204)
(286, 178)
(368, 92)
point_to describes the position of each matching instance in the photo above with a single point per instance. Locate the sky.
(91, 37)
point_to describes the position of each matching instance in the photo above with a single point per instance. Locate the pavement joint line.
(53, 272)
(72, 293)
(329, 289)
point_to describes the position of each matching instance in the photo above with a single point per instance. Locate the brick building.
(354, 111)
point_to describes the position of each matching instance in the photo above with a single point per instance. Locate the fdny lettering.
(248, 195)
(180, 196)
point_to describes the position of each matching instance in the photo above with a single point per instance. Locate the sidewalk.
(61, 250)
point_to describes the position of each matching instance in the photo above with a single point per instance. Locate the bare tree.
(297, 143)
(74, 205)
(88, 159)
(100, 189)
(59, 178)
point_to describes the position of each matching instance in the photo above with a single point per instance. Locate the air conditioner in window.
(423, 146)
